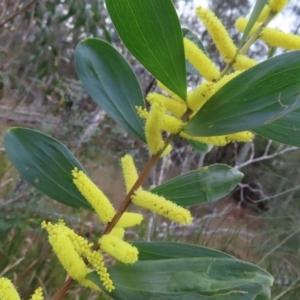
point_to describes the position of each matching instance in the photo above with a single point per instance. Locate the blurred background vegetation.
(39, 88)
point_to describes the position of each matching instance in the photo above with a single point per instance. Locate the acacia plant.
(229, 105)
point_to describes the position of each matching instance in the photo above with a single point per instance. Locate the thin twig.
(17, 13)
(277, 153)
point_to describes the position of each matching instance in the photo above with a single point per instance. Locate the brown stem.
(126, 202)
(138, 183)
(61, 292)
(17, 13)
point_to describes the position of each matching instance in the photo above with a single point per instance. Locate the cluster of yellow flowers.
(150, 201)
(73, 251)
(166, 113)
(9, 292)
(272, 37)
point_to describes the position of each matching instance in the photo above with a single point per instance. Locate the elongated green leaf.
(258, 96)
(111, 82)
(168, 250)
(45, 163)
(259, 6)
(151, 31)
(189, 278)
(285, 130)
(203, 185)
(186, 32)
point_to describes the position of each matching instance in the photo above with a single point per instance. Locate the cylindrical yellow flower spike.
(166, 151)
(38, 294)
(7, 290)
(162, 206)
(65, 251)
(175, 107)
(210, 140)
(218, 33)
(244, 136)
(129, 171)
(79, 243)
(200, 95)
(93, 195)
(119, 249)
(142, 112)
(95, 258)
(277, 5)
(200, 61)
(129, 219)
(70, 248)
(263, 15)
(244, 62)
(153, 127)
(276, 38)
(241, 24)
(171, 124)
(273, 37)
(118, 232)
(225, 80)
(170, 93)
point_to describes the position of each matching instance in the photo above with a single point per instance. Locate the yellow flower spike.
(244, 136)
(162, 206)
(200, 61)
(210, 140)
(175, 107)
(170, 93)
(93, 195)
(80, 244)
(129, 172)
(37, 295)
(119, 249)
(244, 62)
(218, 33)
(142, 112)
(153, 127)
(200, 95)
(7, 290)
(171, 124)
(166, 151)
(118, 232)
(276, 38)
(273, 37)
(225, 80)
(89, 284)
(241, 24)
(65, 251)
(263, 15)
(277, 5)
(95, 258)
(69, 248)
(129, 219)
